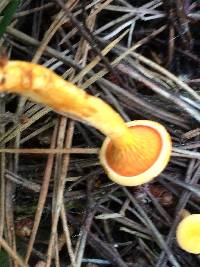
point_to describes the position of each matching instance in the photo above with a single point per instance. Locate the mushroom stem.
(44, 86)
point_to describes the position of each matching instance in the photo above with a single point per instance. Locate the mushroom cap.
(153, 152)
(188, 234)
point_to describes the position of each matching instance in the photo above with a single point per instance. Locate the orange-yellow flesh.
(140, 157)
(44, 86)
(188, 234)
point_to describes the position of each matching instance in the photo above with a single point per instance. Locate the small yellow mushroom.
(132, 153)
(188, 233)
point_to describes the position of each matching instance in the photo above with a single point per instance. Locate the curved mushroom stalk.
(132, 153)
(188, 233)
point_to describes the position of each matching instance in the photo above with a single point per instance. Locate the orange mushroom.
(141, 161)
(132, 154)
(188, 233)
